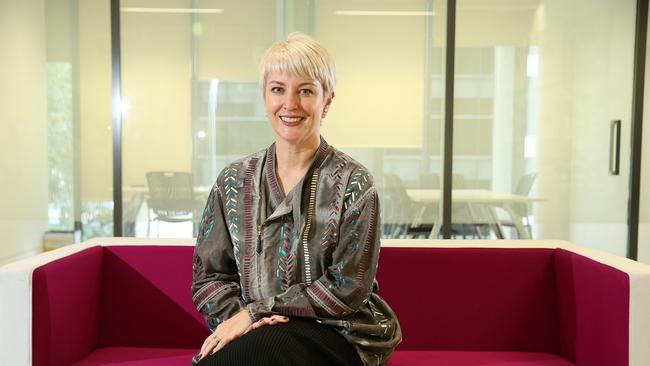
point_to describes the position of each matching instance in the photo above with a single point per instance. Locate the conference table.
(481, 201)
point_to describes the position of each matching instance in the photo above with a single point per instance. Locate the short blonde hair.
(301, 55)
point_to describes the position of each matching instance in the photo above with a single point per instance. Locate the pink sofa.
(127, 302)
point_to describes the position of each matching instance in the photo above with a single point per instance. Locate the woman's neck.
(293, 157)
(293, 162)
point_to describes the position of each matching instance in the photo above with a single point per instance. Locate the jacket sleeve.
(216, 289)
(348, 281)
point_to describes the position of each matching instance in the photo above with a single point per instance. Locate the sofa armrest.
(16, 310)
(603, 302)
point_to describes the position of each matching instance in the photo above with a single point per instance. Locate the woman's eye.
(276, 89)
(306, 92)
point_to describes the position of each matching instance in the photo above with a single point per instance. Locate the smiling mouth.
(291, 121)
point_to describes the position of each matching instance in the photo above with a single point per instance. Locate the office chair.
(171, 197)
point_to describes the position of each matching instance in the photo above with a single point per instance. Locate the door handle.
(614, 147)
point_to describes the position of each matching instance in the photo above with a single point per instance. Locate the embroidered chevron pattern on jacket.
(353, 240)
(331, 230)
(231, 188)
(270, 174)
(370, 237)
(339, 279)
(207, 220)
(286, 271)
(358, 182)
(353, 236)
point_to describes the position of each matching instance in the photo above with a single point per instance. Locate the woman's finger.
(212, 342)
(270, 320)
(205, 345)
(222, 343)
(280, 318)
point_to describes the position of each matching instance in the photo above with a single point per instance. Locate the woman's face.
(295, 106)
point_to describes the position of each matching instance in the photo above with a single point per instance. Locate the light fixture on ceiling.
(385, 13)
(172, 10)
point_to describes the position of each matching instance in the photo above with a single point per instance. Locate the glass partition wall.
(193, 103)
(542, 105)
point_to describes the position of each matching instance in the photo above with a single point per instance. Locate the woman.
(285, 260)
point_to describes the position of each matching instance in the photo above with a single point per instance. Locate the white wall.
(23, 128)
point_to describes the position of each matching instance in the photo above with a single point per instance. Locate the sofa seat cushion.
(469, 358)
(132, 356)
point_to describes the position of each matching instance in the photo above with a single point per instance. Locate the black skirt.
(298, 342)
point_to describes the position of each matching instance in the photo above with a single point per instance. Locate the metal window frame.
(636, 138)
(448, 140)
(116, 63)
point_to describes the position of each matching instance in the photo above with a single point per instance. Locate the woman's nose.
(291, 101)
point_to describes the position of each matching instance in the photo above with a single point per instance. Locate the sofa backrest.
(506, 299)
(114, 296)
(472, 298)
(146, 298)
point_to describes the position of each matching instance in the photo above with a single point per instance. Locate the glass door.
(542, 87)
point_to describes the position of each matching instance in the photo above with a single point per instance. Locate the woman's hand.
(269, 320)
(226, 332)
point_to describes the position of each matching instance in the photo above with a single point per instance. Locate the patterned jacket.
(312, 253)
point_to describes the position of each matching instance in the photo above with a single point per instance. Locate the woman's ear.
(327, 104)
